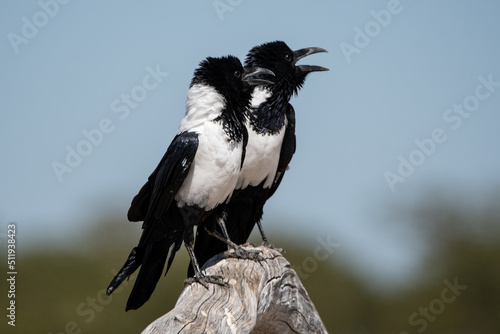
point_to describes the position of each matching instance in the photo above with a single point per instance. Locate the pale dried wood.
(262, 297)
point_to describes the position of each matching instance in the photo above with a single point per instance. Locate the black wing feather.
(287, 150)
(163, 226)
(172, 169)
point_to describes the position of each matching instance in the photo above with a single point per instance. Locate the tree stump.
(261, 297)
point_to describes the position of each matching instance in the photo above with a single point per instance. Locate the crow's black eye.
(237, 74)
(288, 57)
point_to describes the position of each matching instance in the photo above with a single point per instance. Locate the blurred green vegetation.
(61, 289)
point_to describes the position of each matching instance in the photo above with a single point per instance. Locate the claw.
(268, 245)
(205, 280)
(240, 252)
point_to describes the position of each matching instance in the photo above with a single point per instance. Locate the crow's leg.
(225, 236)
(191, 217)
(234, 250)
(263, 235)
(266, 243)
(199, 277)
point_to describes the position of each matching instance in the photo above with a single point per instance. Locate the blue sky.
(413, 85)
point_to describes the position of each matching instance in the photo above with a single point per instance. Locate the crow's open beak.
(299, 54)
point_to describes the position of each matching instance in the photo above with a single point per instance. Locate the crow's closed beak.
(253, 76)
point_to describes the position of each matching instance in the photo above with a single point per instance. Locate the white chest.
(214, 172)
(261, 159)
(216, 165)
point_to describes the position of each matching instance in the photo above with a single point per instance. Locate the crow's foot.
(268, 245)
(205, 280)
(241, 252)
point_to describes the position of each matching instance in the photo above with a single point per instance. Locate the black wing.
(287, 150)
(163, 226)
(170, 173)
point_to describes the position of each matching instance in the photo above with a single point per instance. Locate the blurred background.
(390, 211)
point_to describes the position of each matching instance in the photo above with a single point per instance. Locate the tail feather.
(174, 250)
(159, 237)
(149, 274)
(133, 262)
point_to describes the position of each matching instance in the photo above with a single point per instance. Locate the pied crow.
(195, 177)
(271, 144)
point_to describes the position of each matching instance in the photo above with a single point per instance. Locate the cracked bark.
(262, 297)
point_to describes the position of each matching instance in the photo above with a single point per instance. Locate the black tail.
(158, 238)
(133, 262)
(150, 272)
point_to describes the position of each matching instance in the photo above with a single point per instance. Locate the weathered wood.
(261, 297)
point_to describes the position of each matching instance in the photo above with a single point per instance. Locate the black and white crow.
(195, 177)
(271, 144)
